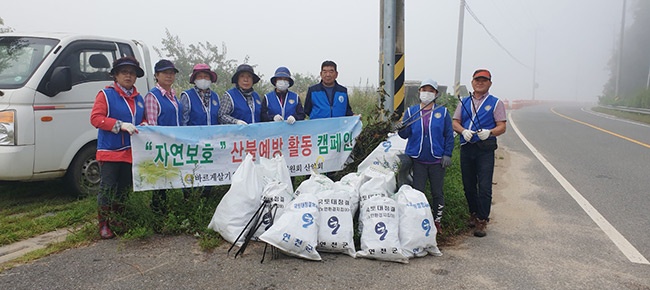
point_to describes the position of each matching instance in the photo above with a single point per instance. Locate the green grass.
(31, 209)
(625, 115)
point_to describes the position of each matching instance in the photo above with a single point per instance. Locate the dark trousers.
(116, 181)
(436, 176)
(477, 168)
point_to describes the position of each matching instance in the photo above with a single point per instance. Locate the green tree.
(3, 28)
(636, 61)
(185, 57)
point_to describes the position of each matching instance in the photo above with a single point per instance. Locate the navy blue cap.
(163, 65)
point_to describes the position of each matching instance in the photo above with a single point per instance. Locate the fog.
(575, 39)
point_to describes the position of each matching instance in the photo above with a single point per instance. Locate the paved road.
(539, 238)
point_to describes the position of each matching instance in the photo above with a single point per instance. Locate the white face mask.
(202, 84)
(282, 85)
(427, 97)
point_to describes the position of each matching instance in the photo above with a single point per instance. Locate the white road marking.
(623, 244)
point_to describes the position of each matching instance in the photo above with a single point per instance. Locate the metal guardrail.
(628, 109)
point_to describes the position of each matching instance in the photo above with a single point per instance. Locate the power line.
(494, 37)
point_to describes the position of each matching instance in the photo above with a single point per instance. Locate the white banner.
(177, 157)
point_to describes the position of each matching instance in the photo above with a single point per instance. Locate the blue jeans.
(477, 168)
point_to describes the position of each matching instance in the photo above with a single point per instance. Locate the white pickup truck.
(48, 84)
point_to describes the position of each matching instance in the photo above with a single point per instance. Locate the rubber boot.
(116, 221)
(104, 229)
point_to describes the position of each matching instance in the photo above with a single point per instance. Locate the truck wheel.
(83, 173)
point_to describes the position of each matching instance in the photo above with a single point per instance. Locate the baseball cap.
(482, 73)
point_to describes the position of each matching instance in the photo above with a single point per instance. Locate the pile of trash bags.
(395, 224)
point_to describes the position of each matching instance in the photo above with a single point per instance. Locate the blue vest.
(198, 114)
(169, 114)
(484, 116)
(321, 107)
(286, 110)
(241, 110)
(119, 109)
(439, 130)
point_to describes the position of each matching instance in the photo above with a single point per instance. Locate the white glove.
(467, 134)
(240, 122)
(483, 134)
(278, 118)
(291, 120)
(128, 127)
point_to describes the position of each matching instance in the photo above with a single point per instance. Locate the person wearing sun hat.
(427, 126)
(201, 104)
(241, 105)
(116, 111)
(281, 103)
(479, 118)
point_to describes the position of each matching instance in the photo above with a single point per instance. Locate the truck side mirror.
(60, 81)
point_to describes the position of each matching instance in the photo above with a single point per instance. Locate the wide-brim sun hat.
(202, 67)
(282, 72)
(127, 60)
(244, 68)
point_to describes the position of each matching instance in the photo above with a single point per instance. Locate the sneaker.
(479, 231)
(471, 222)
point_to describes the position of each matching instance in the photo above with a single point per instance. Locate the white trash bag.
(239, 204)
(376, 181)
(336, 229)
(380, 233)
(275, 169)
(278, 194)
(417, 233)
(350, 184)
(316, 183)
(296, 231)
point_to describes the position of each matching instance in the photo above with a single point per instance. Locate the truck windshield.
(19, 58)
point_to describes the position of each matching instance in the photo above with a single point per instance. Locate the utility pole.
(459, 47)
(535, 65)
(388, 21)
(392, 54)
(620, 54)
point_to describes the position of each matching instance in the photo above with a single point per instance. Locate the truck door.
(62, 120)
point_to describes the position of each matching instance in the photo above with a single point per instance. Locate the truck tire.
(83, 174)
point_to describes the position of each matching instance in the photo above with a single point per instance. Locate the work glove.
(128, 127)
(446, 161)
(277, 118)
(483, 134)
(240, 122)
(291, 120)
(467, 134)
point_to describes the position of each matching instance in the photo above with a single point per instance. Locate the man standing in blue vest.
(327, 99)
(479, 119)
(281, 103)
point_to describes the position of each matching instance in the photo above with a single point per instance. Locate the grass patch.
(31, 209)
(624, 115)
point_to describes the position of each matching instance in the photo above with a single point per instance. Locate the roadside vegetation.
(31, 209)
(643, 118)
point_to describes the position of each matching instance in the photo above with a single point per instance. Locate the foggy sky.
(575, 39)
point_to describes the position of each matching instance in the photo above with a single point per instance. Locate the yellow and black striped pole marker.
(398, 97)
